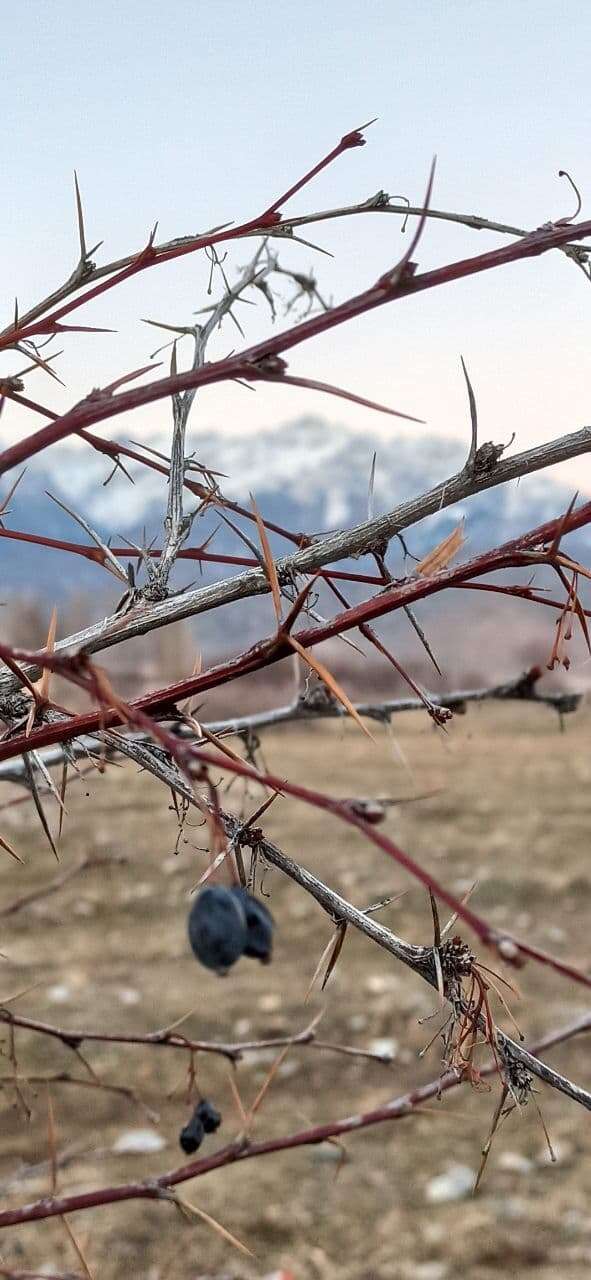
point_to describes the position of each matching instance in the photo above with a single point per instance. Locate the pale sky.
(194, 113)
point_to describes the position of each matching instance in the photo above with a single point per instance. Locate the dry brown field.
(511, 809)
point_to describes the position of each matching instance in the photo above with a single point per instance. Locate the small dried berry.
(217, 928)
(208, 1115)
(192, 1135)
(259, 926)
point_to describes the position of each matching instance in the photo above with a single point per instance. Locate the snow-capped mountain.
(307, 475)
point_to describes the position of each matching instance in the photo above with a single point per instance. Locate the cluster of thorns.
(465, 983)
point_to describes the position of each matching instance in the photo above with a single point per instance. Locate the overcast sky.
(194, 113)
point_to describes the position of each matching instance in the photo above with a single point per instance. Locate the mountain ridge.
(307, 475)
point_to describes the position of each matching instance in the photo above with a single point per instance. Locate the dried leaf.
(44, 684)
(269, 561)
(440, 556)
(329, 958)
(5, 845)
(191, 1210)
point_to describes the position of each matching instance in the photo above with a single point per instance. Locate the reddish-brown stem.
(158, 1189)
(100, 406)
(184, 553)
(352, 139)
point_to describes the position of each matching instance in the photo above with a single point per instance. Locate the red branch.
(159, 1188)
(395, 284)
(184, 553)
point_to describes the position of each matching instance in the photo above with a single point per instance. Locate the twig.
(73, 1038)
(86, 864)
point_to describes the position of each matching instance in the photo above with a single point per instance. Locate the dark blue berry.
(217, 928)
(208, 1115)
(259, 926)
(192, 1135)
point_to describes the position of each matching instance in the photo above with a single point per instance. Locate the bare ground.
(512, 809)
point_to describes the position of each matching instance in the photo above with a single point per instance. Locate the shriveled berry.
(209, 1115)
(217, 928)
(259, 926)
(192, 1135)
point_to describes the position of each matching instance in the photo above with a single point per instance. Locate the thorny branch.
(263, 362)
(309, 707)
(380, 203)
(177, 524)
(419, 959)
